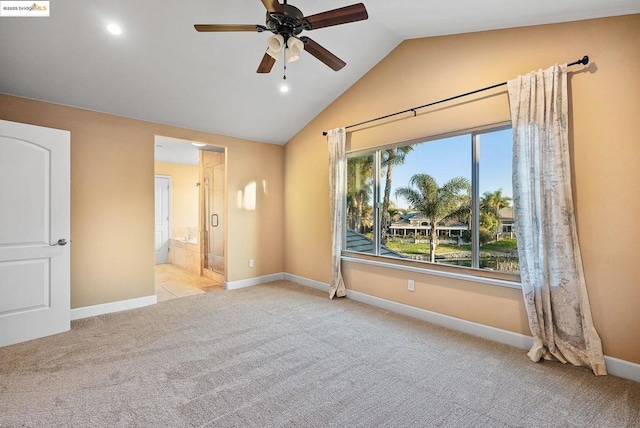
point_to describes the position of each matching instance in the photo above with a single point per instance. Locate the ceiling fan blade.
(343, 15)
(266, 64)
(322, 54)
(227, 27)
(272, 5)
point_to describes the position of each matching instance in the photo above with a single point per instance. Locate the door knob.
(60, 242)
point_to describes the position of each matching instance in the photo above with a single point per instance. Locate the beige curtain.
(553, 282)
(337, 184)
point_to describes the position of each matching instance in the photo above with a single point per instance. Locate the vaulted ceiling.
(161, 70)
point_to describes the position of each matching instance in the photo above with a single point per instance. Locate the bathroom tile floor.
(173, 282)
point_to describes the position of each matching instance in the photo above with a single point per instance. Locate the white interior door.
(163, 192)
(34, 230)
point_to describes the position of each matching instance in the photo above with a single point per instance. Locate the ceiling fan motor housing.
(289, 21)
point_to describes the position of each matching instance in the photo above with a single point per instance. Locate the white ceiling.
(160, 69)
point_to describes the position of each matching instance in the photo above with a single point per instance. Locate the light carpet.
(283, 355)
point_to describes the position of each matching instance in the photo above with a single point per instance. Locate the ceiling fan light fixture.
(295, 47)
(289, 56)
(275, 44)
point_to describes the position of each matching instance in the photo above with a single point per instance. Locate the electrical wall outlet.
(250, 263)
(411, 286)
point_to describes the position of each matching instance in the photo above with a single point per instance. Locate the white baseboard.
(622, 368)
(107, 308)
(616, 367)
(250, 282)
(475, 329)
(307, 282)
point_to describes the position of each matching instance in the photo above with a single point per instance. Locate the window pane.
(426, 209)
(498, 249)
(427, 183)
(360, 204)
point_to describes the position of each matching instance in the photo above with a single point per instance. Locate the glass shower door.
(213, 210)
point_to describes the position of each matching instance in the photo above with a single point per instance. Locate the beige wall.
(112, 192)
(185, 197)
(605, 153)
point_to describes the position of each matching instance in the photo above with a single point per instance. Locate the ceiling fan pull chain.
(284, 61)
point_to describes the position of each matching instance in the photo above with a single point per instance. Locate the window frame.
(473, 273)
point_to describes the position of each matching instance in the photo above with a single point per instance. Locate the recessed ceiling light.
(284, 88)
(114, 29)
(199, 144)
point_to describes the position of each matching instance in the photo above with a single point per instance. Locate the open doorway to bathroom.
(196, 216)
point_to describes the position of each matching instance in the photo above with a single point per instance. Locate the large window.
(445, 201)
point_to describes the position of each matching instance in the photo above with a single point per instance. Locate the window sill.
(442, 271)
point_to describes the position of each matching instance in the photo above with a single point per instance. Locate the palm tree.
(395, 213)
(359, 192)
(434, 202)
(390, 159)
(490, 205)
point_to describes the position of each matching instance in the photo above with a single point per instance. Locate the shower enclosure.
(212, 165)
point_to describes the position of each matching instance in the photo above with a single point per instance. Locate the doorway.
(196, 244)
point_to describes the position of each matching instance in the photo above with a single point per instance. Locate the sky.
(451, 157)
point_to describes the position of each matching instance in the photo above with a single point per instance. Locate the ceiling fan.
(286, 22)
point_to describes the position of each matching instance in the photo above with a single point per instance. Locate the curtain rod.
(584, 61)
